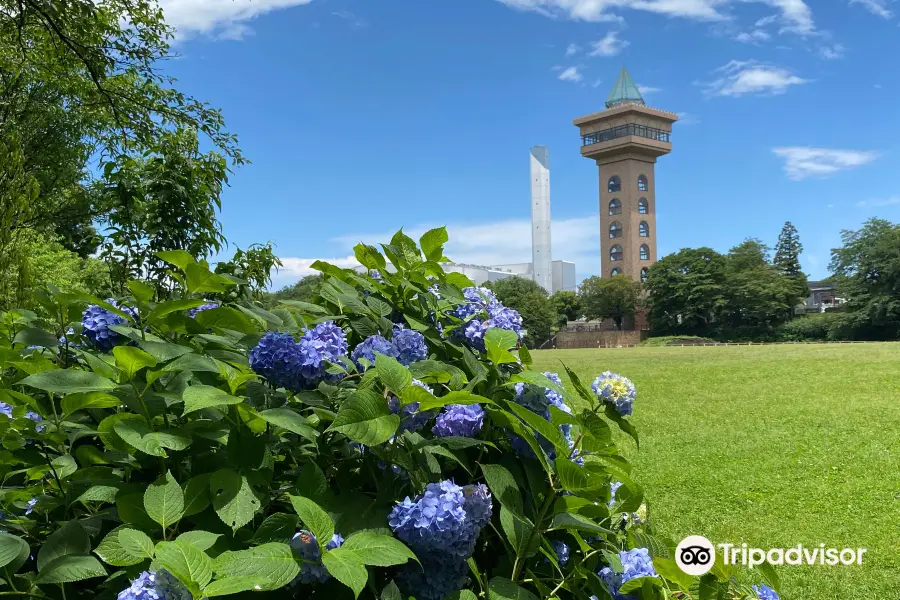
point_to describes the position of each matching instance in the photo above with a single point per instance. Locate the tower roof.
(624, 91)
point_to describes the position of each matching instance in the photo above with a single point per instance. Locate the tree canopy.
(613, 298)
(567, 306)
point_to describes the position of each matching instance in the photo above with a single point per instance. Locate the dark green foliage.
(787, 261)
(252, 269)
(307, 290)
(686, 291)
(815, 328)
(757, 296)
(567, 306)
(613, 298)
(530, 299)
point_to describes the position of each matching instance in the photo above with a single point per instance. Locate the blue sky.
(361, 117)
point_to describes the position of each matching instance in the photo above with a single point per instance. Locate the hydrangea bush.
(389, 441)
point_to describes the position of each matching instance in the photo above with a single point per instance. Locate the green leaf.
(165, 308)
(413, 394)
(391, 592)
(164, 501)
(71, 538)
(575, 478)
(136, 543)
(130, 360)
(179, 258)
(452, 398)
(137, 433)
(587, 396)
(305, 306)
(202, 540)
(32, 336)
(279, 527)
(525, 356)
(369, 256)
(199, 280)
(189, 564)
(315, 519)
(344, 566)
(670, 571)
(503, 487)
(463, 595)
(500, 588)
(366, 419)
(196, 494)
(64, 465)
(230, 585)
(576, 522)
(517, 532)
(391, 373)
(271, 565)
(378, 550)
(11, 547)
(596, 429)
(113, 553)
(70, 568)
(633, 585)
(141, 291)
(193, 362)
(233, 498)
(68, 381)
(542, 426)
(501, 339)
(290, 420)
(75, 402)
(623, 424)
(432, 243)
(226, 317)
(770, 576)
(198, 397)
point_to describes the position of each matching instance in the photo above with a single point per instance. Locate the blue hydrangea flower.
(409, 345)
(67, 339)
(615, 390)
(155, 585)
(764, 592)
(439, 576)
(538, 399)
(410, 417)
(299, 365)
(459, 420)
(369, 347)
(635, 563)
(478, 299)
(7, 409)
(562, 552)
(96, 322)
(29, 506)
(613, 488)
(376, 275)
(506, 318)
(482, 312)
(306, 546)
(444, 519)
(208, 306)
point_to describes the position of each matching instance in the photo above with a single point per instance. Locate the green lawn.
(772, 446)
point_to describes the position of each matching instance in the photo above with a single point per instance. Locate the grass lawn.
(769, 445)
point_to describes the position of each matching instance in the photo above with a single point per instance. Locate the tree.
(567, 307)
(787, 261)
(757, 296)
(867, 270)
(613, 298)
(686, 291)
(530, 299)
(306, 290)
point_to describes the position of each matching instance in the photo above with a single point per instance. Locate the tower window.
(615, 206)
(616, 253)
(642, 183)
(616, 271)
(643, 207)
(644, 274)
(643, 229)
(645, 252)
(615, 230)
(615, 184)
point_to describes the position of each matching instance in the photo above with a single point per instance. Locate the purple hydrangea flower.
(615, 390)
(376, 275)
(613, 488)
(411, 419)
(299, 365)
(29, 506)
(459, 420)
(562, 552)
(538, 399)
(7, 409)
(155, 585)
(409, 345)
(374, 344)
(635, 563)
(478, 299)
(66, 340)
(306, 546)
(764, 592)
(97, 320)
(208, 306)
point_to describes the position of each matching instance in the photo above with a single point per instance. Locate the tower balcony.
(631, 137)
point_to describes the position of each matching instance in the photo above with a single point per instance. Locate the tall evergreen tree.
(787, 261)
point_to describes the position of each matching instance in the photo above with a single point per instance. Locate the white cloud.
(646, 90)
(572, 49)
(497, 243)
(597, 83)
(892, 201)
(876, 7)
(832, 52)
(608, 45)
(751, 77)
(222, 18)
(801, 162)
(570, 74)
(795, 15)
(686, 118)
(753, 37)
(355, 22)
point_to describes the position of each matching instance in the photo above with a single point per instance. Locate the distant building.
(822, 296)
(562, 273)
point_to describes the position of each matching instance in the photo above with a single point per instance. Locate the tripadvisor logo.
(696, 555)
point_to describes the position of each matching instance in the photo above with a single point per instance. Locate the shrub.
(230, 450)
(810, 328)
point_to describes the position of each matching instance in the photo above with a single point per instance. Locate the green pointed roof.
(624, 91)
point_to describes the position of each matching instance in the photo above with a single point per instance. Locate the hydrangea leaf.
(597, 433)
(638, 583)
(369, 256)
(463, 595)
(272, 565)
(71, 538)
(225, 317)
(232, 498)
(290, 420)
(130, 360)
(464, 398)
(32, 336)
(392, 374)
(136, 433)
(378, 550)
(178, 258)
(279, 527)
(669, 570)
(575, 478)
(202, 540)
(113, 553)
(588, 397)
(71, 567)
(391, 592)
(99, 493)
(164, 501)
(136, 543)
(164, 351)
(190, 565)
(68, 381)
(230, 585)
(196, 494)
(164, 308)
(503, 487)
(518, 532)
(198, 397)
(347, 568)
(500, 588)
(542, 426)
(576, 522)
(366, 419)
(316, 519)
(11, 547)
(432, 243)
(74, 402)
(304, 306)
(623, 424)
